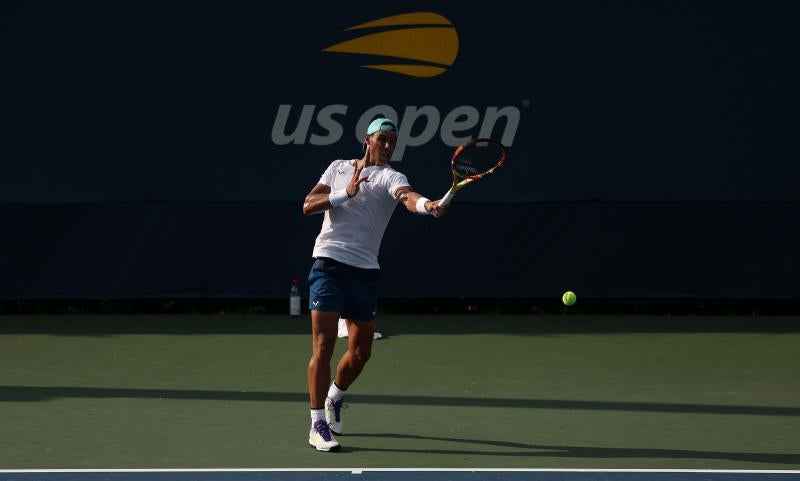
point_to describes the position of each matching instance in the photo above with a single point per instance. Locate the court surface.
(455, 392)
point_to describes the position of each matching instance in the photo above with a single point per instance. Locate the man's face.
(381, 145)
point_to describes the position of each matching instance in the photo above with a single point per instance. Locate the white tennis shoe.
(333, 415)
(320, 437)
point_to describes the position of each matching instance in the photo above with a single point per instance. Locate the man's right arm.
(317, 200)
(320, 198)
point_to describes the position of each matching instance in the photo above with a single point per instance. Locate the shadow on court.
(395, 325)
(551, 451)
(46, 393)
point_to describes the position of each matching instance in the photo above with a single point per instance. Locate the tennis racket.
(473, 161)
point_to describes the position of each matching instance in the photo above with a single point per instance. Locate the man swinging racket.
(358, 198)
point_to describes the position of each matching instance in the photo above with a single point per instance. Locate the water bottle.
(294, 299)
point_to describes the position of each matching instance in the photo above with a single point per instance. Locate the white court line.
(364, 470)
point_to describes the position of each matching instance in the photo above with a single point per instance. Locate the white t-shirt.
(352, 232)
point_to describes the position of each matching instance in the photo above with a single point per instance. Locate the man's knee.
(361, 354)
(323, 347)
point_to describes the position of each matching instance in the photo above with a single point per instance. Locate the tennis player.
(358, 197)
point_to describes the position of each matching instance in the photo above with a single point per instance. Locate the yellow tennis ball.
(569, 298)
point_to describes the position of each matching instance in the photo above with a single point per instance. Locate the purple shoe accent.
(337, 409)
(324, 431)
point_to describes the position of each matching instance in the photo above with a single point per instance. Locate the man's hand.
(356, 180)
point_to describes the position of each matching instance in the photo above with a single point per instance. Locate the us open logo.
(419, 45)
(427, 43)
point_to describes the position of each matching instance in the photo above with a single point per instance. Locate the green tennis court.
(475, 391)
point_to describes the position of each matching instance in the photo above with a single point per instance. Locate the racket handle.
(445, 201)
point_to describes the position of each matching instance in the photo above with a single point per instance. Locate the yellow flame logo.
(426, 40)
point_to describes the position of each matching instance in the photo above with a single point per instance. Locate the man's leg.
(343, 331)
(323, 339)
(359, 349)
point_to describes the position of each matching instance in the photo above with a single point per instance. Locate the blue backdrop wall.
(164, 151)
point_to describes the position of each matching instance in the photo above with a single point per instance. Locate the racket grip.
(445, 201)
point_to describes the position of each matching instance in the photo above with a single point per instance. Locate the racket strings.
(477, 159)
(465, 168)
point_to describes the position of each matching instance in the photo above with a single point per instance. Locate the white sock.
(334, 393)
(317, 415)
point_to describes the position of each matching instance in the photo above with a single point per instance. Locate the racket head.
(476, 159)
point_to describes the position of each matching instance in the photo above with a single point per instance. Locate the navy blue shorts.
(351, 291)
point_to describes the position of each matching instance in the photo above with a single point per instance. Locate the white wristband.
(421, 205)
(338, 198)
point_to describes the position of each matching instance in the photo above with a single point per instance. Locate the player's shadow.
(516, 449)
(46, 393)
